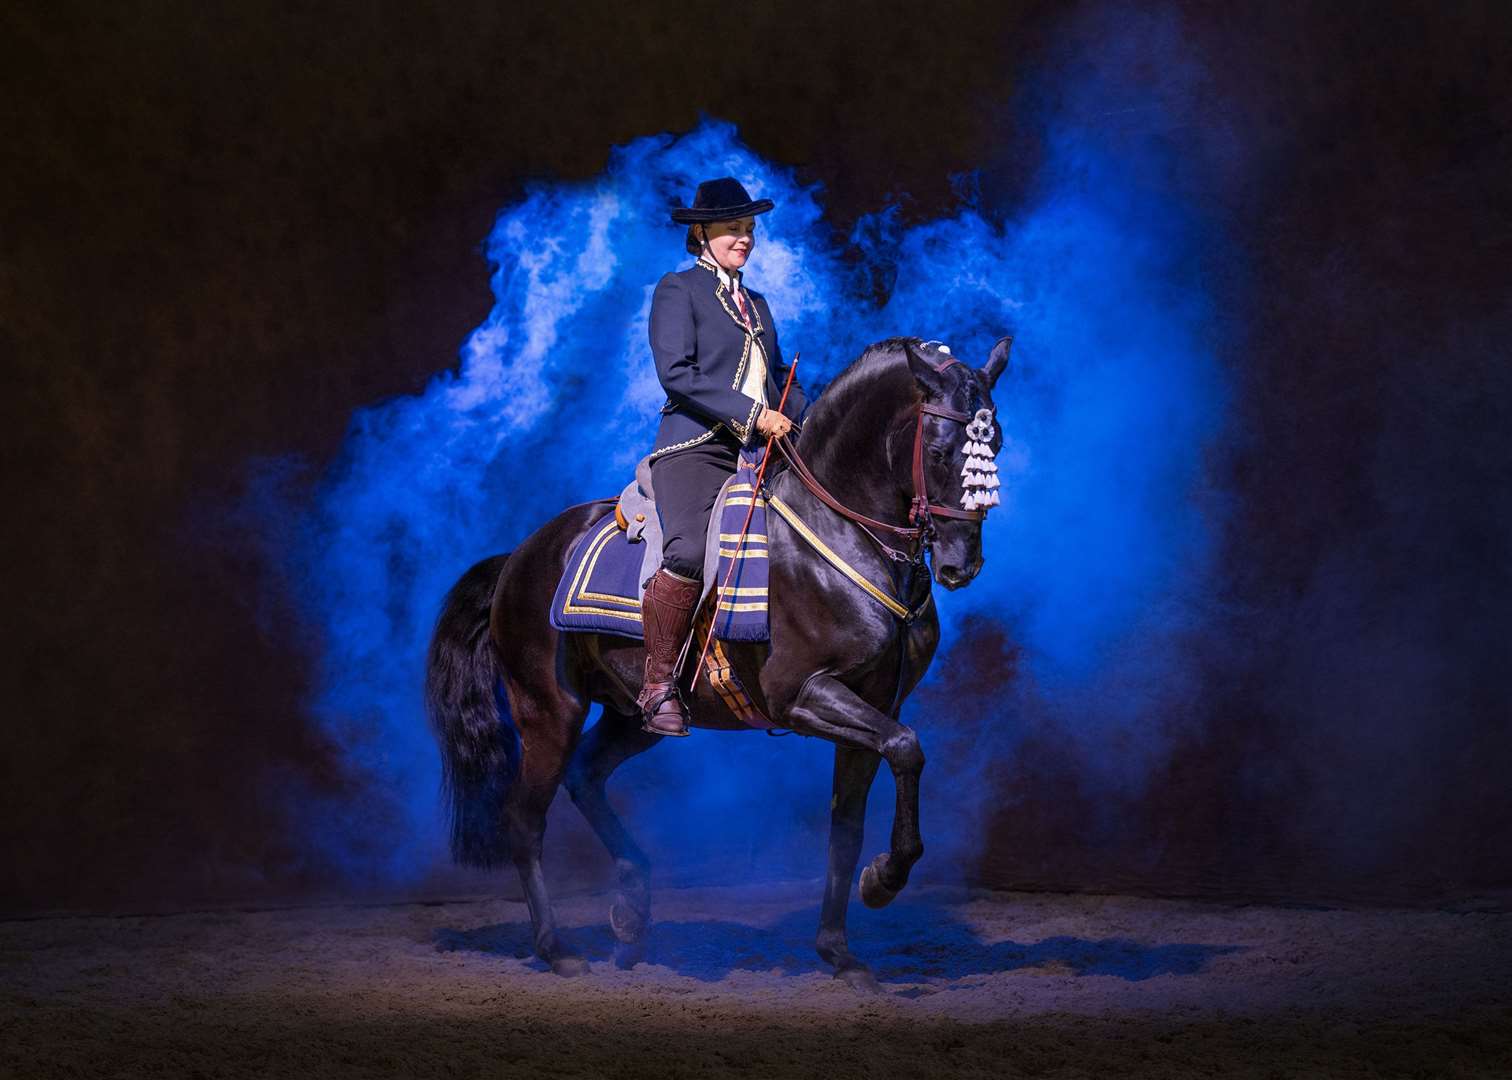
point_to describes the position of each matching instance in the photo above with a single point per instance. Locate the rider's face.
(731, 242)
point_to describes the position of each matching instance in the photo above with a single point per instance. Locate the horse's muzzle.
(954, 577)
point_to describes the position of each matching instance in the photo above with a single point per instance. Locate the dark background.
(224, 228)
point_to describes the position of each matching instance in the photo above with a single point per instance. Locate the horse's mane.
(854, 393)
(845, 421)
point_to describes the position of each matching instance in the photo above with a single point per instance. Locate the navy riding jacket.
(701, 348)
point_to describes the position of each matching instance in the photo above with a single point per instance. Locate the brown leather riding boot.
(666, 615)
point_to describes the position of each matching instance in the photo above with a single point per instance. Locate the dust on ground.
(974, 983)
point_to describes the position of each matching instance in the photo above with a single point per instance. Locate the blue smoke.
(1093, 561)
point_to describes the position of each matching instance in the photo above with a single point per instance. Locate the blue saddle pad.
(742, 611)
(600, 590)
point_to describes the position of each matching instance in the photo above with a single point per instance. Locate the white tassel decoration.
(979, 479)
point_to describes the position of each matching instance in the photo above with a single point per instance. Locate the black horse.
(507, 694)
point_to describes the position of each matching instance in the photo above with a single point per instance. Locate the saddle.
(601, 590)
(635, 515)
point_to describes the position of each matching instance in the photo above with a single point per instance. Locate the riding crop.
(739, 547)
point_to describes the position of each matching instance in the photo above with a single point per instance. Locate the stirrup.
(649, 713)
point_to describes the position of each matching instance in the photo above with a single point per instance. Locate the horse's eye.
(937, 454)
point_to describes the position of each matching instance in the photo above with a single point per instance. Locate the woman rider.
(717, 357)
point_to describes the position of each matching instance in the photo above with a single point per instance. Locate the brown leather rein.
(921, 511)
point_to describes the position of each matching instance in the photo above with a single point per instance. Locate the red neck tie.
(740, 300)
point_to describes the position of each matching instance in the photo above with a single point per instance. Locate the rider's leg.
(686, 483)
(666, 615)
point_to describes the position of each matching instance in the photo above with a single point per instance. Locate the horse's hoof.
(569, 967)
(627, 922)
(874, 894)
(629, 953)
(860, 979)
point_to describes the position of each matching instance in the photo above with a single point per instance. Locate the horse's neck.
(852, 464)
(845, 537)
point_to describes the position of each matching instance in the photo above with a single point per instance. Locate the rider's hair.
(692, 243)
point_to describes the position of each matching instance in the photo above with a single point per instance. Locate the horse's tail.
(469, 715)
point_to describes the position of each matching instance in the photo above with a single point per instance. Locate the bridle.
(921, 509)
(920, 531)
(918, 534)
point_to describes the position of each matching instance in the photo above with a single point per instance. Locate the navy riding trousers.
(686, 483)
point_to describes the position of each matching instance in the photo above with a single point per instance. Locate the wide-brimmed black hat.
(720, 200)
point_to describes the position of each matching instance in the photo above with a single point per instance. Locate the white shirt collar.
(725, 278)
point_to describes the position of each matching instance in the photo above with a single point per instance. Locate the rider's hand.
(772, 422)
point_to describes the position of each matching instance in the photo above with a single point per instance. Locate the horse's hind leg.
(549, 731)
(854, 772)
(615, 739)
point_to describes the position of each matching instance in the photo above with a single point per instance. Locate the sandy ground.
(974, 983)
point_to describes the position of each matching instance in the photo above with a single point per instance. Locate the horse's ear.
(997, 361)
(927, 375)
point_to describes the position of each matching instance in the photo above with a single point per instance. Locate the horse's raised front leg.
(828, 708)
(854, 772)
(611, 742)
